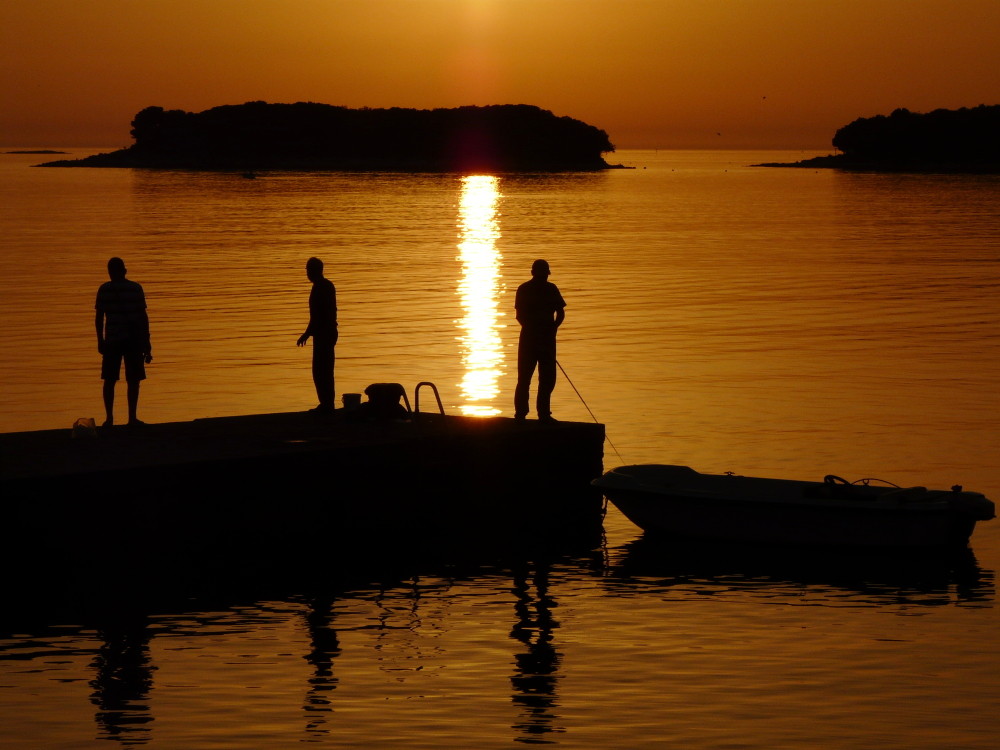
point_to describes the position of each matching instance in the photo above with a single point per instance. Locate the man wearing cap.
(540, 309)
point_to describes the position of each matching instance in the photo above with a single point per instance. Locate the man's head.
(540, 269)
(314, 269)
(116, 268)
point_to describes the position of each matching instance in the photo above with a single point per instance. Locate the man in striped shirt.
(122, 336)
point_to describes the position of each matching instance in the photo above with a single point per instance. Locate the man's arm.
(99, 324)
(560, 316)
(147, 346)
(305, 336)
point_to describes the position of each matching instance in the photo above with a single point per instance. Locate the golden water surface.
(771, 322)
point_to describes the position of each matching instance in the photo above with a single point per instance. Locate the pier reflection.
(303, 625)
(324, 648)
(123, 681)
(536, 677)
(479, 289)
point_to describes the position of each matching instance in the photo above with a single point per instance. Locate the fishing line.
(563, 370)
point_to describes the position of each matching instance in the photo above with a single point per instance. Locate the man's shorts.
(117, 351)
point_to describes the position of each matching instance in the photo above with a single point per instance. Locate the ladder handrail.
(416, 396)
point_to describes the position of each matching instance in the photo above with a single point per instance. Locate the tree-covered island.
(962, 140)
(309, 136)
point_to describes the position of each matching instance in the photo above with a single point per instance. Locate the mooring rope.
(580, 396)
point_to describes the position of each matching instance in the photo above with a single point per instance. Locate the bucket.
(84, 427)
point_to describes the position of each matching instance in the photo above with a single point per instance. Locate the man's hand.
(303, 339)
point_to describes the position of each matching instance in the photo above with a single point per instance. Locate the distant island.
(38, 151)
(309, 136)
(963, 140)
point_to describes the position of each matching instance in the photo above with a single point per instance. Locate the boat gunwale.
(867, 498)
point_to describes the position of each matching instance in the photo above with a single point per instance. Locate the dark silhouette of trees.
(963, 136)
(306, 135)
(945, 140)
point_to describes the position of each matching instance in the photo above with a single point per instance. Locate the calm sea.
(770, 322)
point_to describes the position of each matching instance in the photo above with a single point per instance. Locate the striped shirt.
(124, 304)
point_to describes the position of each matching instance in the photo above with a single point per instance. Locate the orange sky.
(652, 73)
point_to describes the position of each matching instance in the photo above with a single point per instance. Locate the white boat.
(679, 501)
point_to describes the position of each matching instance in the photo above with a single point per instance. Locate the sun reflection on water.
(479, 288)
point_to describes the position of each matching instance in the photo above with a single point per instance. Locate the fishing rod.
(568, 380)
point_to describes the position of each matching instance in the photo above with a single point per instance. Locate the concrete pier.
(267, 478)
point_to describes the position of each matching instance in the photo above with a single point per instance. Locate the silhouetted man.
(540, 309)
(323, 330)
(122, 336)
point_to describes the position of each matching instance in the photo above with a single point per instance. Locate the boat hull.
(747, 510)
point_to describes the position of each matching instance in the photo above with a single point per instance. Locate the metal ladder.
(416, 396)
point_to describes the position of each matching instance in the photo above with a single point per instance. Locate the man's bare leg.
(133, 401)
(109, 403)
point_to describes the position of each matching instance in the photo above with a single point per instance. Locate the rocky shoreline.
(841, 162)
